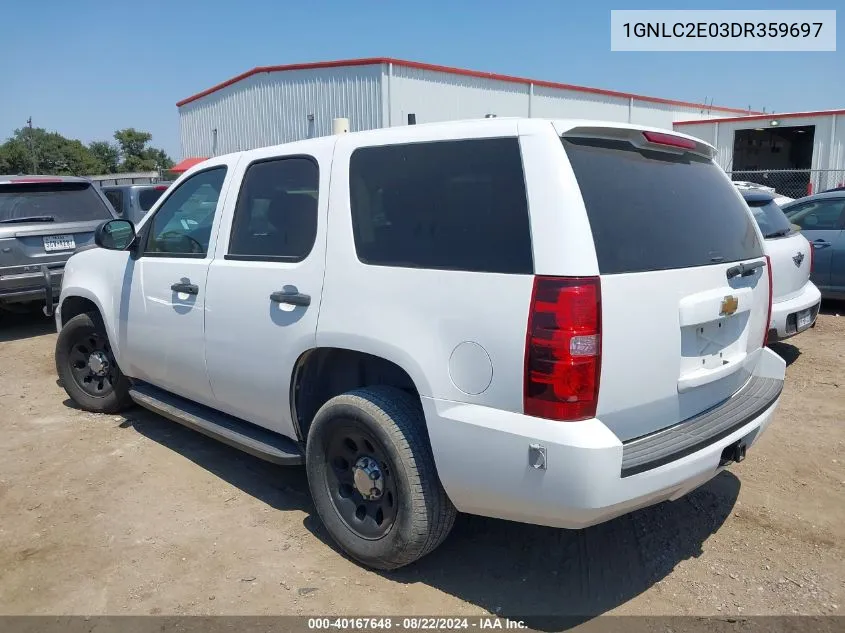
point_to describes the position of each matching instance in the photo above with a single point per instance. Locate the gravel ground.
(132, 514)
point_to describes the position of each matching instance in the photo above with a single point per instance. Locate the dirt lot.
(136, 515)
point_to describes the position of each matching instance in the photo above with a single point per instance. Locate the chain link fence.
(794, 183)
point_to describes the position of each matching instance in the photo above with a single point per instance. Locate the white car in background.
(795, 299)
(778, 198)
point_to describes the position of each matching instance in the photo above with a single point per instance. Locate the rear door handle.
(185, 288)
(292, 297)
(820, 243)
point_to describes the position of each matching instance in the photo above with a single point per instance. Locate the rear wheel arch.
(322, 373)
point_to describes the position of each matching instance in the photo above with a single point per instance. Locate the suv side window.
(181, 226)
(449, 205)
(276, 214)
(818, 215)
(115, 198)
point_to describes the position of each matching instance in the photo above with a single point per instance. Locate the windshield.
(770, 218)
(652, 210)
(51, 202)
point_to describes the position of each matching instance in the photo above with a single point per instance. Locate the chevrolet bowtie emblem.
(798, 259)
(729, 305)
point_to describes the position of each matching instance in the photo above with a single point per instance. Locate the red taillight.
(769, 312)
(659, 138)
(812, 257)
(563, 348)
(161, 188)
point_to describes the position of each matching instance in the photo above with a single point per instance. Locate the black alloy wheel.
(360, 482)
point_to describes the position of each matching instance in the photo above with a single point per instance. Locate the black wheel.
(87, 368)
(373, 479)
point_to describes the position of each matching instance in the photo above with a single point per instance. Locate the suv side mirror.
(115, 235)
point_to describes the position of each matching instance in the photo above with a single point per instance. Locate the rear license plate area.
(805, 318)
(53, 243)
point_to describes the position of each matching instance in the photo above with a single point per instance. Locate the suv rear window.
(51, 202)
(449, 205)
(147, 198)
(769, 218)
(653, 210)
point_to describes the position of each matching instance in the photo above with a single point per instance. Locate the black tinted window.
(769, 218)
(817, 215)
(182, 224)
(147, 197)
(457, 205)
(115, 198)
(653, 210)
(276, 214)
(51, 202)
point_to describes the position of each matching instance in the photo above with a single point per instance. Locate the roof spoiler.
(645, 139)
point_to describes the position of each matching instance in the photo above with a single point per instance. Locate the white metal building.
(809, 144)
(277, 104)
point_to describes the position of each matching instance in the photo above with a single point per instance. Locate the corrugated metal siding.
(556, 103)
(273, 108)
(442, 96)
(439, 96)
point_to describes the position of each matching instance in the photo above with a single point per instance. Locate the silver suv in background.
(133, 201)
(43, 220)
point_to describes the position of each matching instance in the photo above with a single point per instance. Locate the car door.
(821, 223)
(265, 284)
(837, 260)
(162, 311)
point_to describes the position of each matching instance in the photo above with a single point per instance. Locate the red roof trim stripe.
(763, 117)
(369, 61)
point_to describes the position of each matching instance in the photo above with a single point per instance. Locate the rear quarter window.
(449, 205)
(654, 210)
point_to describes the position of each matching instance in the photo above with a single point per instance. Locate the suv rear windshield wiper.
(31, 218)
(777, 233)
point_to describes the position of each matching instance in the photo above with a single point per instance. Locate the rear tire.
(381, 432)
(87, 368)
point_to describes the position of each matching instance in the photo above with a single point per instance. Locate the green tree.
(135, 153)
(46, 152)
(107, 153)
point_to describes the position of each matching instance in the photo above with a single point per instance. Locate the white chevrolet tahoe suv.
(547, 322)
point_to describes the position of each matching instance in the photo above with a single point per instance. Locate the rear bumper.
(17, 286)
(784, 321)
(484, 459)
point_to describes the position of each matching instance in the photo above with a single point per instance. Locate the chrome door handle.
(820, 243)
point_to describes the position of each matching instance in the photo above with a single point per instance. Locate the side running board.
(230, 430)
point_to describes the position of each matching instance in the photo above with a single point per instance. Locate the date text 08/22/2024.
(414, 623)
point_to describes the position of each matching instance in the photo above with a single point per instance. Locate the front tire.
(373, 479)
(87, 368)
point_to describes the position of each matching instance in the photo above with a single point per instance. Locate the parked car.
(464, 316)
(795, 300)
(753, 186)
(822, 221)
(43, 219)
(133, 201)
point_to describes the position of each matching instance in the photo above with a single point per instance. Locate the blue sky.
(100, 66)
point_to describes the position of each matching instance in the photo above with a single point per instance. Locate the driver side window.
(818, 214)
(181, 226)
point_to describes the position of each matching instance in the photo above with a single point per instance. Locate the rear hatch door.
(684, 284)
(43, 221)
